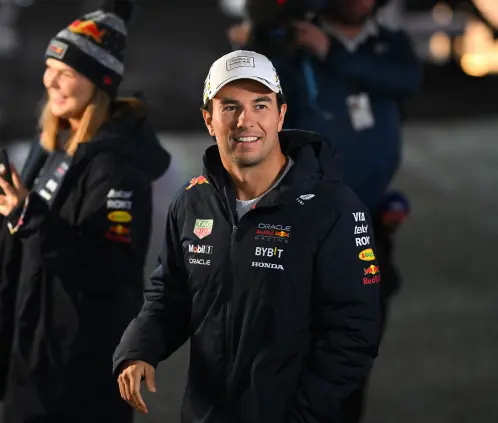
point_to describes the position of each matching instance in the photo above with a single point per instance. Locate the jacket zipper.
(229, 305)
(229, 320)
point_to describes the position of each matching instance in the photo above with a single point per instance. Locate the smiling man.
(269, 269)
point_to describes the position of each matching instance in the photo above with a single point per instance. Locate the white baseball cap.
(240, 64)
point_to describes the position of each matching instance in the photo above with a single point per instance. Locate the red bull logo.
(371, 270)
(198, 180)
(282, 234)
(119, 230)
(88, 28)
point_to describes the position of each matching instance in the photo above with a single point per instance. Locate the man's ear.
(283, 110)
(207, 120)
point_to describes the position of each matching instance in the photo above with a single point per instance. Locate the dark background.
(171, 46)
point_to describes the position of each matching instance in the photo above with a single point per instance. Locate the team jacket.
(71, 276)
(281, 307)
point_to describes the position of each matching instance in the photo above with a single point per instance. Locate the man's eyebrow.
(228, 100)
(263, 98)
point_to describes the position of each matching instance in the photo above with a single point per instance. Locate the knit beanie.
(94, 45)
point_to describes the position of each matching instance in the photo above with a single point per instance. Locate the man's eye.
(261, 106)
(229, 108)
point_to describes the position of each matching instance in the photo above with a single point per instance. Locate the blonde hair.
(95, 115)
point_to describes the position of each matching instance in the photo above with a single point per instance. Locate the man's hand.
(129, 383)
(238, 35)
(14, 194)
(312, 38)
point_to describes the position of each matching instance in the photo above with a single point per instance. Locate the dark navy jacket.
(281, 307)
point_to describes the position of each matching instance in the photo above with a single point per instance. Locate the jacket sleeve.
(107, 241)
(345, 321)
(396, 73)
(9, 270)
(163, 324)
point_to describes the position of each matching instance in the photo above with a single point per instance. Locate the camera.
(272, 21)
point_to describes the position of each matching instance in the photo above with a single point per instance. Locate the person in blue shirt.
(346, 77)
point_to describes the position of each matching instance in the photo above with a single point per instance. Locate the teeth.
(246, 139)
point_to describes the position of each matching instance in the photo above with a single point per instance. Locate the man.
(269, 268)
(346, 78)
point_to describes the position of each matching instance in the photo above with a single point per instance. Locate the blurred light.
(233, 7)
(474, 64)
(478, 38)
(489, 9)
(440, 46)
(442, 14)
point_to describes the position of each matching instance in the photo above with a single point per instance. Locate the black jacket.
(71, 276)
(281, 307)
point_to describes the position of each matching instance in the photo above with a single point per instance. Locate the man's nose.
(245, 119)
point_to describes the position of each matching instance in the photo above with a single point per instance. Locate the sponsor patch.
(119, 230)
(57, 49)
(240, 62)
(119, 216)
(359, 217)
(202, 262)
(267, 265)
(118, 238)
(119, 204)
(269, 252)
(203, 227)
(362, 241)
(305, 197)
(360, 229)
(272, 232)
(367, 255)
(200, 249)
(198, 180)
(371, 270)
(116, 193)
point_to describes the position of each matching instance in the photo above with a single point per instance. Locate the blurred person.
(346, 76)
(75, 232)
(261, 269)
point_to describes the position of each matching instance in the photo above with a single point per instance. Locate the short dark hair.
(208, 106)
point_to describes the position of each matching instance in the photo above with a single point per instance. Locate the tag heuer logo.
(203, 227)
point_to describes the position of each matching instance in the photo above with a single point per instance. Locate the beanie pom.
(121, 8)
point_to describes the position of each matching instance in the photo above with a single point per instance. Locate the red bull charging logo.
(372, 271)
(199, 180)
(88, 28)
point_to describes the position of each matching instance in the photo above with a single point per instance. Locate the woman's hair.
(96, 113)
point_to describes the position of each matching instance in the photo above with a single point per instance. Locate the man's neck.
(252, 182)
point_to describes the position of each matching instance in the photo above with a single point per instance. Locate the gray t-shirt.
(243, 206)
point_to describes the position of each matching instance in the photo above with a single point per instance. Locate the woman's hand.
(13, 195)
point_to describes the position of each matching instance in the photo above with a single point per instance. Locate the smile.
(246, 139)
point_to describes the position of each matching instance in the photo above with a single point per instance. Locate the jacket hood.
(129, 134)
(314, 155)
(315, 158)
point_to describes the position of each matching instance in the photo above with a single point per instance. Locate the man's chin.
(247, 162)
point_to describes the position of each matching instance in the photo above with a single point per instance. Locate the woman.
(75, 248)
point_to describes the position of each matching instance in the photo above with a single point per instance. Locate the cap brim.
(274, 87)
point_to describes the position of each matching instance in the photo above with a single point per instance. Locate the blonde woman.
(74, 242)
